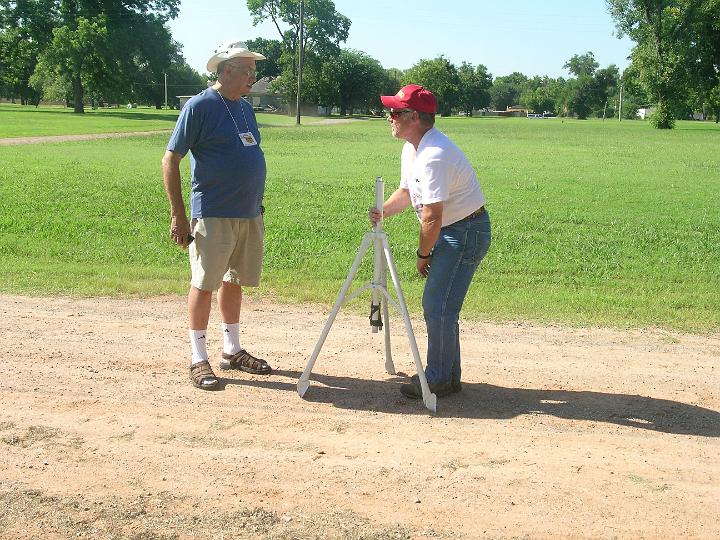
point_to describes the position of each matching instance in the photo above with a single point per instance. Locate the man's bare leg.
(229, 301)
(199, 308)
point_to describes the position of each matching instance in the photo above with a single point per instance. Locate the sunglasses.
(396, 113)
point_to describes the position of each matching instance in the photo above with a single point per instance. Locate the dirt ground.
(558, 433)
(13, 141)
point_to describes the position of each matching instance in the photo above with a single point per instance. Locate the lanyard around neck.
(242, 109)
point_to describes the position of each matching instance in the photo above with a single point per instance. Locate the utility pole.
(300, 61)
(165, 90)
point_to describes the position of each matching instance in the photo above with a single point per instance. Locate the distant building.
(644, 112)
(512, 110)
(183, 100)
(262, 97)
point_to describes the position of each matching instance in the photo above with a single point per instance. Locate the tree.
(557, 89)
(441, 78)
(705, 54)
(506, 90)
(713, 101)
(272, 50)
(99, 48)
(181, 80)
(634, 94)
(149, 56)
(589, 93)
(503, 95)
(393, 81)
(17, 62)
(352, 80)
(25, 31)
(582, 65)
(77, 56)
(606, 84)
(582, 95)
(540, 95)
(581, 92)
(662, 31)
(473, 87)
(324, 27)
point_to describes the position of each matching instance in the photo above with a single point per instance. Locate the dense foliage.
(677, 53)
(101, 51)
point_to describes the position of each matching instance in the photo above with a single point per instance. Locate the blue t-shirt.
(228, 178)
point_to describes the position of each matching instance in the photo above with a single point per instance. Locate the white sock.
(231, 338)
(197, 343)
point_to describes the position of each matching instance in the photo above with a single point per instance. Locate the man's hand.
(373, 215)
(180, 230)
(423, 266)
(396, 203)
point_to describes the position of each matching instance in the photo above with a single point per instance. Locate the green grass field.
(18, 121)
(594, 223)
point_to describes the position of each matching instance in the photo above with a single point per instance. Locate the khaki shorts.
(226, 249)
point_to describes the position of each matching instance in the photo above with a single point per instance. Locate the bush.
(663, 116)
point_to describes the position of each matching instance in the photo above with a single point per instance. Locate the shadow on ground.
(479, 400)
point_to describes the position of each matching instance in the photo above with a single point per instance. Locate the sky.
(534, 37)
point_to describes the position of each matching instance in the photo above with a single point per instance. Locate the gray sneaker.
(414, 390)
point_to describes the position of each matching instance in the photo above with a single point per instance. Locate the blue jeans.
(456, 256)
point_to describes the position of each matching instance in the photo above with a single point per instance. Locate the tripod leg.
(378, 270)
(429, 399)
(389, 366)
(304, 380)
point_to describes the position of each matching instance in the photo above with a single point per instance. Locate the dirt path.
(558, 433)
(10, 141)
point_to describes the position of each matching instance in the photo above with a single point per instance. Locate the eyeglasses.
(247, 71)
(396, 113)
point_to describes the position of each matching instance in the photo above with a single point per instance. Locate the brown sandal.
(244, 361)
(202, 376)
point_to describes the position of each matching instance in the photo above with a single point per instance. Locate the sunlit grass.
(593, 222)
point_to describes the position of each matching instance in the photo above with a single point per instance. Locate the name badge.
(248, 139)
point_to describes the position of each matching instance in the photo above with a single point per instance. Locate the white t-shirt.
(439, 171)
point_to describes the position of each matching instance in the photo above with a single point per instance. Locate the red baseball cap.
(412, 96)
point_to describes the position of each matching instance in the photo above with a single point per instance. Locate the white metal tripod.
(383, 261)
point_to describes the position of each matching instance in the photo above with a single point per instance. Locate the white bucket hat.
(231, 49)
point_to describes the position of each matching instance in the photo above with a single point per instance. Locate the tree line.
(675, 66)
(350, 80)
(114, 51)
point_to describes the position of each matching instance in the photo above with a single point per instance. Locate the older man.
(437, 180)
(225, 236)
